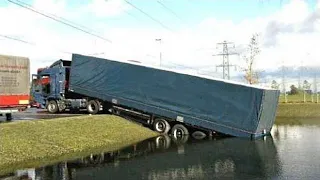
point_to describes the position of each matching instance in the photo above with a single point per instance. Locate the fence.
(300, 98)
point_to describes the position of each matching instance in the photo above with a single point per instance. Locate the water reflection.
(165, 158)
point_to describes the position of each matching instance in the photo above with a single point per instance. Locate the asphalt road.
(33, 113)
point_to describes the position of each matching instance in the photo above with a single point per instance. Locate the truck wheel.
(179, 130)
(9, 117)
(93, 107)
(161, 126)
(52, 107)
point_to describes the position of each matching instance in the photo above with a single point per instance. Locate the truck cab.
(50, 88)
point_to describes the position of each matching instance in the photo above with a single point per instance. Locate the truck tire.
(9, 117)
(179, 130)
(93, 107)
(161, 126)
(52, 107)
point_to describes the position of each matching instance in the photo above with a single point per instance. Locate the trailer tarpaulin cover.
(14, 74)
(230, 108)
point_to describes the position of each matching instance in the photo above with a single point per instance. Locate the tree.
(251, 75)
(306, 85)
(294, 90)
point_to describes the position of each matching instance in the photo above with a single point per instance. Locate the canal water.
(292, 152)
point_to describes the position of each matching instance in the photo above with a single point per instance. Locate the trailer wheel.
(52, 107)
(161, 126)
(179, 130)
(93, 107)
(9, 117)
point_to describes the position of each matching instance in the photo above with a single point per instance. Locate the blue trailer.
(169, 101)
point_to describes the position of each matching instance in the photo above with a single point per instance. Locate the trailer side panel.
(231, 108)
(14, 81)
(14, 73)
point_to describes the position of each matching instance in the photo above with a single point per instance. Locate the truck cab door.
(36, 90)
(41, 88)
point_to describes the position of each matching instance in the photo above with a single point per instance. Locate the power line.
(27, 42)
(170, 10)
(56, 19)
(16, 39)
(131, 15)
(155, 20)
(57, 16)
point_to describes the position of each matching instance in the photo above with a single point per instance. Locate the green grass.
(27, 144)
(298, 114)
(299, 110)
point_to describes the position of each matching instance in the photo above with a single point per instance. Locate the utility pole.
(306, 87)
(284, 84)
(160, 56)
(315, 88)
(225, 55)
(300, 74)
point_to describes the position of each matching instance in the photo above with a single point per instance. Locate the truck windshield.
(45, 83)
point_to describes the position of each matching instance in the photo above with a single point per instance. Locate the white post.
(160, 54)
(285, 97)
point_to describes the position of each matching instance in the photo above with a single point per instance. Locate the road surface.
(34, 113)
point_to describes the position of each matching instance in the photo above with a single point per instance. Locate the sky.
(289, 31)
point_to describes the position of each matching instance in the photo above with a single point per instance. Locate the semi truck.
(14, 84)
(168, 101)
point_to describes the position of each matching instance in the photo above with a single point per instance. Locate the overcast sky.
(189, 29)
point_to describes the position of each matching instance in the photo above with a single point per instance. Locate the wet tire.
(199, 135)
(9, 117)
(179, 130)
(52, 107)
(93, 107)
(161, 126)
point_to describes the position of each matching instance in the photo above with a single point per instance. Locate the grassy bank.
(298, 110)
(35, 143)
(298, 114)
